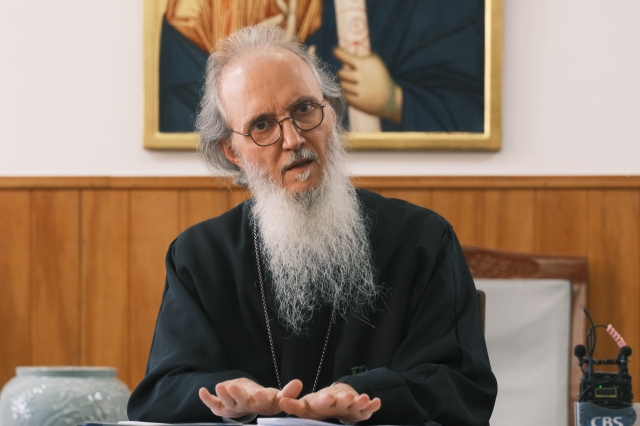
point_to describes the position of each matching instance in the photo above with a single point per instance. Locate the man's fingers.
(345, 400)
(211, 401)
(235, 398)
(239, 394)
(361, 402)
(376, 403)
(326, 401)
(296, 407)
(291, 389)
(343, 405)
(371, 408)
(225, 397)
(260, 397)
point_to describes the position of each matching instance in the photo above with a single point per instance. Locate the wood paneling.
(508, 220)
(55, 283)
(381, 182)
(105, 279)
(197, 205)
(15, 315)
(561, 222)
(154, 224)
(614, 268)
(82, 258)
(418, 197)
(463, 209)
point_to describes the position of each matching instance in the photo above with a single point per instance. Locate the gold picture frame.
(489, 140)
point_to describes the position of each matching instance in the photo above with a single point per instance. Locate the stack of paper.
(267, 421)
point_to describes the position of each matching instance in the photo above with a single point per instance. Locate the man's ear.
(229, 152)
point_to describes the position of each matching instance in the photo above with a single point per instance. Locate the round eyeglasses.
(306, 116)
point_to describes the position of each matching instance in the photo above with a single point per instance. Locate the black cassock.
(423, 345)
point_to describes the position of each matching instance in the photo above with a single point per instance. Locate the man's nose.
(291, 136)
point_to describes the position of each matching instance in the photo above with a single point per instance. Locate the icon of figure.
(424, 72)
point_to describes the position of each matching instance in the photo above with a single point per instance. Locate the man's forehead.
(276, 73)
(257, 59)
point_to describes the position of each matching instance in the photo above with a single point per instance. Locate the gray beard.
(314, 243)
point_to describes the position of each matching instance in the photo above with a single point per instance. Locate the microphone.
(623, 361)
(625, 352)
(580, 351)
(606, 389)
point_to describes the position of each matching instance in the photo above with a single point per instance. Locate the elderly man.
(312, 299)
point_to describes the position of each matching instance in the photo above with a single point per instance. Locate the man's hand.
(368, 86)
(239, 397)
(339, 401)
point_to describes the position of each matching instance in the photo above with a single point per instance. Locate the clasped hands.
(239, 397)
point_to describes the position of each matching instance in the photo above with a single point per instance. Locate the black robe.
(423, 346)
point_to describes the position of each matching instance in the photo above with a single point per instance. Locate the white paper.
(132, 423)
(291, 421)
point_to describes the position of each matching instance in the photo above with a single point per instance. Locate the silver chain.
(266, 317)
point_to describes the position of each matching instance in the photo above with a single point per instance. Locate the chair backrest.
(482, 303)
(493, 264)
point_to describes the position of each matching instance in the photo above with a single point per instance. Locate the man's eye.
(261, 126)
(304, 109)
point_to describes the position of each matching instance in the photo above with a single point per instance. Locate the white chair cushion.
(527, 328)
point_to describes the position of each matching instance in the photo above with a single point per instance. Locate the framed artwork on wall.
(416, 74)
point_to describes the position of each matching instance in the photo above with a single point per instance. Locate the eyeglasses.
(306, 116)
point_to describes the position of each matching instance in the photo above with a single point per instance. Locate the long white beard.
(314, 243)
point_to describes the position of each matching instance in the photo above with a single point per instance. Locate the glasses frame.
(293, 121)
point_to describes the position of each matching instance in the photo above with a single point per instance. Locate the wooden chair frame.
(487, 263)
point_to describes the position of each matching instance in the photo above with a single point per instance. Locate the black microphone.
(623, 360)
(580, 351)
(606, 389)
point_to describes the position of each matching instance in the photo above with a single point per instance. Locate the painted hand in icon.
(368, 86)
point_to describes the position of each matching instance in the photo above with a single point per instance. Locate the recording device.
(605, 389)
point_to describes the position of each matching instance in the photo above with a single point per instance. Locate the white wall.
(71, 92)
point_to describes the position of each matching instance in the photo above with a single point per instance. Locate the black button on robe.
(423, 345)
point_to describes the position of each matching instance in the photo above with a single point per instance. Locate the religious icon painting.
(416, 74)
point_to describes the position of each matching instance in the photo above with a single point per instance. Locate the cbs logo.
(608, 421)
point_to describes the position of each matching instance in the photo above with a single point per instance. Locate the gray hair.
(211, 122)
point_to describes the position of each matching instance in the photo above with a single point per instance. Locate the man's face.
(271, 86)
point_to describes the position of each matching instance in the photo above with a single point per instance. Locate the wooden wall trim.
(382, 182)
(497, 182)
(106, 182)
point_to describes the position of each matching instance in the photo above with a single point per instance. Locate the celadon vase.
(63, 396)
